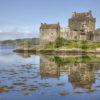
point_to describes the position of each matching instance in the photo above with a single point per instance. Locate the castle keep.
(81, 26)
(49, 33)
(82, 22)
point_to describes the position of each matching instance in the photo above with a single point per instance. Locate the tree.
(59, 42)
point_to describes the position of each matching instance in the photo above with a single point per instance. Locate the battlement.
(49, 26)
(82, 15)
(82, 21)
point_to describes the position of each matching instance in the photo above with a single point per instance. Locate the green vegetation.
(49, 45)
(83, 45)
(57, 44)
(81, 59)
(27, 43)
(61, 43)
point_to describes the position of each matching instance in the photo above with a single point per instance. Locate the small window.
(75, 37)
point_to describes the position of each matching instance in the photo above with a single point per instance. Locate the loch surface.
(25, 76)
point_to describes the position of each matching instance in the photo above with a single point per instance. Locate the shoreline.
(78, 52)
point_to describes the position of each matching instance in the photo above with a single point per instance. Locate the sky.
(22, 18)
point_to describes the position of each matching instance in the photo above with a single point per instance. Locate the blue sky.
(26, 15)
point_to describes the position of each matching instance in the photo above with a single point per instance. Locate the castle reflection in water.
(80, 75)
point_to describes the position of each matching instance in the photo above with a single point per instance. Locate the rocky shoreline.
(67, 52)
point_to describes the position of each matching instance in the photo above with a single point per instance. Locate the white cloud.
(15, 32)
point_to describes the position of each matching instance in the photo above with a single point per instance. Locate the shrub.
(60, 42)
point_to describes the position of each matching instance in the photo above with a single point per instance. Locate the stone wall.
(82, 21)
(49, 34)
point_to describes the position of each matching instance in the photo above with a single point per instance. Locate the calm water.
(37, 77)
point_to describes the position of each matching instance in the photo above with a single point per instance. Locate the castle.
(81, 26)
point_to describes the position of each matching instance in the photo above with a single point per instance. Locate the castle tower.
(83, 23)
(49, 33)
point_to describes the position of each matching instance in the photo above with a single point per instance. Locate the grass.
(81, 59)
(82, 45)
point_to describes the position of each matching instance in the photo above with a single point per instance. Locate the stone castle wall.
(49, 33)
(82, 22)
(81, 26)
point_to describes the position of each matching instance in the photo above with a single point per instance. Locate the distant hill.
(97, 31)
(35, 41)
(8, 43)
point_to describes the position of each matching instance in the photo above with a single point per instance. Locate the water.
(25, 76)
